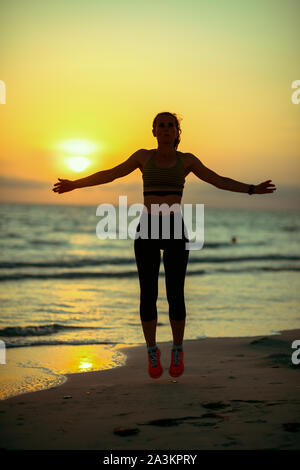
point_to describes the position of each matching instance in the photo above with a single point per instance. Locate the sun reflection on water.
(32, 369)
(84, 366)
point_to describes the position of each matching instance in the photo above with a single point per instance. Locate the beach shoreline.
(35, 368)
(235, 393)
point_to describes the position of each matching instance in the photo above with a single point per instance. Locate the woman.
(164, 170)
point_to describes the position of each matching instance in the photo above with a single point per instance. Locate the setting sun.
(78, 163)
(78, 146)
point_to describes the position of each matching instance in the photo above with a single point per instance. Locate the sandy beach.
(236, 393)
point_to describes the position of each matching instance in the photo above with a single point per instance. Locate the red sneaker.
(154, 366)
(176, 366)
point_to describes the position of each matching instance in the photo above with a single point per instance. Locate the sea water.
(63, 286)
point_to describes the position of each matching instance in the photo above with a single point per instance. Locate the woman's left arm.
(228, 184)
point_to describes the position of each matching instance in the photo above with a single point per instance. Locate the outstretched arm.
(101, 177)
(228, 184)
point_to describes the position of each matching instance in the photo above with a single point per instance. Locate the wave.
(68, 275)
(133, 274)
(66, 263)
(233, 259)
(259, 268)
(86, 262)
(39, 330)
(35, 242)
(49, 342)
(231, 245)
(292, 228)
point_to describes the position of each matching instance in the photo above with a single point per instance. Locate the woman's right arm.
(101, 177)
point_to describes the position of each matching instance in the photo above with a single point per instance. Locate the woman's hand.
(63, 186)
(264, 188)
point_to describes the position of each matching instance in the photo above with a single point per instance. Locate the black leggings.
(175, 258)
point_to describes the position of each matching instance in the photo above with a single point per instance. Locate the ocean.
(62, 286)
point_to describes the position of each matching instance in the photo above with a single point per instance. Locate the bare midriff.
(168, 200)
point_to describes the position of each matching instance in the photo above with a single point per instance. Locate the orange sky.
(100, 71)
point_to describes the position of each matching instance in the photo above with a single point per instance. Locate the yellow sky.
(99, 71)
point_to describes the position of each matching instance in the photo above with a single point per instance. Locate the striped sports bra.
(154, 176)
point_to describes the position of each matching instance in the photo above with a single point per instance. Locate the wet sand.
(235, 393)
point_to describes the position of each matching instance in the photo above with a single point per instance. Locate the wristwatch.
(251, 189)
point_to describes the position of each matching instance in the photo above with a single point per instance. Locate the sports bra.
(154, 176)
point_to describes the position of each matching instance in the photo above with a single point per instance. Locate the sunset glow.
(93, 88)
(78, 163)
(78, 146)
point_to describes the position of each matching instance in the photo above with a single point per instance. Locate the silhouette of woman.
(164, 171)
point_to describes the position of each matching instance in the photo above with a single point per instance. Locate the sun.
(78, 163)
(78, 146)
(76, 154)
